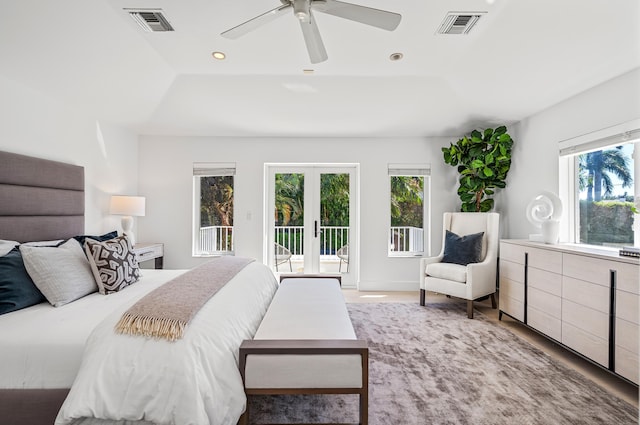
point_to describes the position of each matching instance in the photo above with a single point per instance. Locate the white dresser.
(585, 298)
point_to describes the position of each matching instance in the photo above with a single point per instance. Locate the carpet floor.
(432, 365)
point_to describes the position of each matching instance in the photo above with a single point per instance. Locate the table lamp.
(127, 207)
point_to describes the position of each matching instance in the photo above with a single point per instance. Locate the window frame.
(569, 193)
(412, 170)
(209, 169)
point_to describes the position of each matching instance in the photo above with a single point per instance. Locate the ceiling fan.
(302, 9)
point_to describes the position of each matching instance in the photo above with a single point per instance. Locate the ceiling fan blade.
(315, 47)
(254, 23)
(365, 15)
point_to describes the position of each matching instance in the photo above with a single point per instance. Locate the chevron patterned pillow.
(113, 262)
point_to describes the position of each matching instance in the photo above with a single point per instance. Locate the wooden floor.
(605, 379)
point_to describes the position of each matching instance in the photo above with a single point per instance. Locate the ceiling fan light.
(302, 16)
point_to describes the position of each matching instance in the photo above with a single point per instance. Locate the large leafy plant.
(483, 160)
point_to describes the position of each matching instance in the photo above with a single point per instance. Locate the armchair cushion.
(462, 249)
(447, 271)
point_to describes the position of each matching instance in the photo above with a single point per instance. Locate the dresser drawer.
(149, 252)
(544, 302)
(512, 289)
(511, 271)
(511, 252)
(588, 269)
(627, 335)
(627, 364)
(512, 298)
(545, 281)
(545, 259)
(597, 349)
(586, 293)
(585, 318)
(628, 277)
(544, 323)
(627, 306)
(512, 307)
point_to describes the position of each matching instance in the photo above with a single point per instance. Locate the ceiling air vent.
(151, 20)
(459, 22)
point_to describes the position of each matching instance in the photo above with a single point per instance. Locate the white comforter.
(194, 380)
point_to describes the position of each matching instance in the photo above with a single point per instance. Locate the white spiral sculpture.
(544, 211)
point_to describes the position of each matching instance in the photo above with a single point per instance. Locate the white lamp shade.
(128, 205)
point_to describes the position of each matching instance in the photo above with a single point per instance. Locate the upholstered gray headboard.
(40, 199)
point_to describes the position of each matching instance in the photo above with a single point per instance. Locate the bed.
(45, 351)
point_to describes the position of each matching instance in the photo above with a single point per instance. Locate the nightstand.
(150, 251)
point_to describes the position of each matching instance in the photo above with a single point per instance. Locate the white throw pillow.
(6, 247)
(61, 273)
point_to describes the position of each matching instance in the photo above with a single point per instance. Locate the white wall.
(166, 180)
(535, 157)
(33, 124)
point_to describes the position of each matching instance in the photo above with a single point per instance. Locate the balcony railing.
(332, 238)
(219, 239)
(406, 240)
(215, 239)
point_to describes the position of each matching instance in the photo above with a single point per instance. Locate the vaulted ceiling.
(521, 57)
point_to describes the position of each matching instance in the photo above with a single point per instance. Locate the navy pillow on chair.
(462, 249)
(17, 290)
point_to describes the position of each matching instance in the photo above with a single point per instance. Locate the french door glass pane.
(334, 222)
(289, 219)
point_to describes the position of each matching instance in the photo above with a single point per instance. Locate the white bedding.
(41, 346)
(194, 380)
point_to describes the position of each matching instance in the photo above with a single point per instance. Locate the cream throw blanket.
(166, 311)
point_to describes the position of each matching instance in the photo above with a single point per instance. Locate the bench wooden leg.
(493, 301)
(470, 309)
(422, 296)
(364, 409)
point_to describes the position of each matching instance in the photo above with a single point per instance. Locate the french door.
(311, 219)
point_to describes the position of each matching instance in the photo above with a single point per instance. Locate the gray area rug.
(434, 366)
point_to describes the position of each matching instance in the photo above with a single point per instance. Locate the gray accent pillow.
(113, 263)
(61, 273)
(462, 250)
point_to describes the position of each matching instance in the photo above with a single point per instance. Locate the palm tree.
(289, 201)
(596, 169)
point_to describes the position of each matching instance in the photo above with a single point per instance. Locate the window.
(408, 202)
(213, 194)
(600, 189)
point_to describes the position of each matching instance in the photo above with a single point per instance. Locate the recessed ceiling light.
(307, 71)
(396, 56)
(219, 55)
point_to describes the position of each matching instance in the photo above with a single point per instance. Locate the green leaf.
(504, 138)
(487, 172)
(476, 134)
(488, 159)
(488, 133)
(477, 163)
(501, 130)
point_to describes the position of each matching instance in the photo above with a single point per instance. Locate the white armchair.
(470, 282)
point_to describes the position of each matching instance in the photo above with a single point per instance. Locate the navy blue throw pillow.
(101, 238)
(462, 249)
(17, 290)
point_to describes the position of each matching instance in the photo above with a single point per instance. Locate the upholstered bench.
(306, 345)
